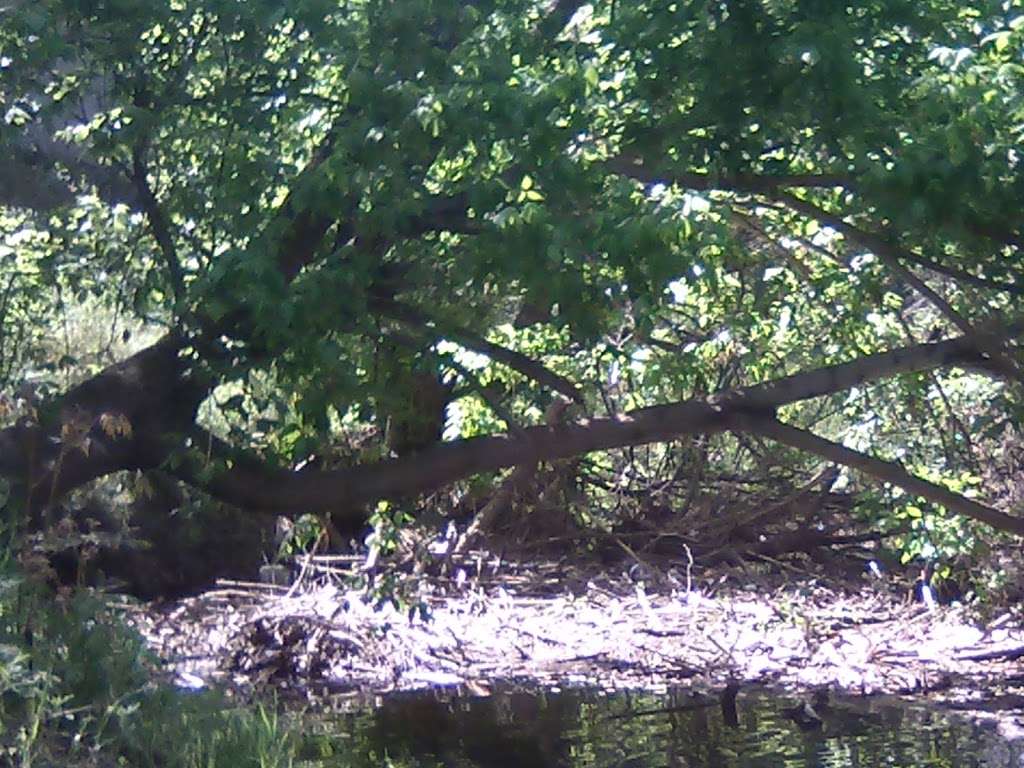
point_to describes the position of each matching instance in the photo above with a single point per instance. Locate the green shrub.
(77, 687)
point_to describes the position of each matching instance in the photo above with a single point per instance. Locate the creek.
(588, 729)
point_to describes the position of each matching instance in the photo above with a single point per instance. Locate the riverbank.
(545, 626)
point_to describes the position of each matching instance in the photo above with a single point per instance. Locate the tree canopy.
(793, 220)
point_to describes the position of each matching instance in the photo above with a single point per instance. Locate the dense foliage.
(359, 223)
(743, 277)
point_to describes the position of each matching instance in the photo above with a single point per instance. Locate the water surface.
(594, 730)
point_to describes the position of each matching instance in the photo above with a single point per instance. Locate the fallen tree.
(153, 402)
(335, 222)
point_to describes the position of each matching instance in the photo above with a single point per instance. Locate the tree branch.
(890, 255)
(154, 392)
(886, 471)
(634, 167)
(346, 489)
(151, 393)
(158, 224)
(1014, 289)
(517, 361)
(997, 233)
(488, 396)
(305, 228)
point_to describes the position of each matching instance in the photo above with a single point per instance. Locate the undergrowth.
(77, 688)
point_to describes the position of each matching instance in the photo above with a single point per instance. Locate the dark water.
(645, 731)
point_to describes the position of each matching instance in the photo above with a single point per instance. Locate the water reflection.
(584, 729)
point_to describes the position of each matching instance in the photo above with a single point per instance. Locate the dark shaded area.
(166, 544)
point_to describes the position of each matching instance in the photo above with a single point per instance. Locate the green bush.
(77, 688)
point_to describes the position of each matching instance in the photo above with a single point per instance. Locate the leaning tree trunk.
(131, 415)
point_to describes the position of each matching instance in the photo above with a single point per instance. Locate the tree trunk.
(129, 416)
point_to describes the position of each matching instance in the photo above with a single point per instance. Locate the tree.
(325, 201)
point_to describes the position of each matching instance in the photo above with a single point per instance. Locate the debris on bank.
(541, 626)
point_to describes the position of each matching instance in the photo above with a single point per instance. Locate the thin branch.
(1014, 289)
(517, 361)
(949, 443)
(634, 167)
(753, 225)
(488, 396)
(887, 471)
(890, 255)
(158, 223)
